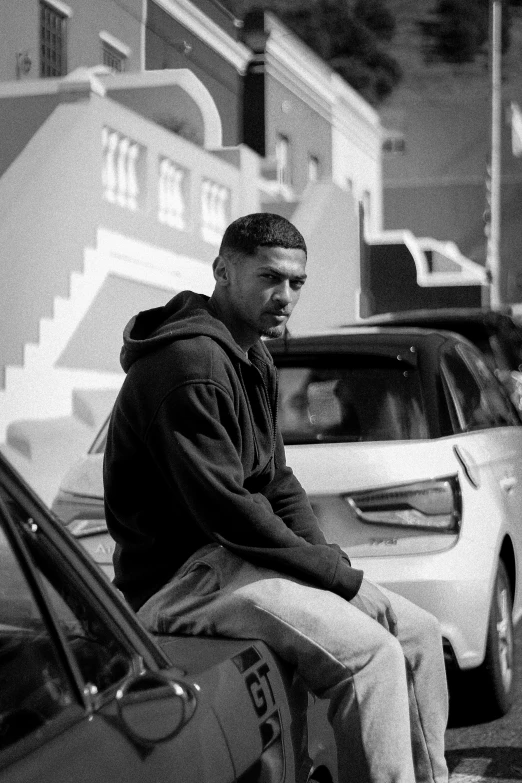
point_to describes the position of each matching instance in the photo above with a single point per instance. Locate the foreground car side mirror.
(154, 708)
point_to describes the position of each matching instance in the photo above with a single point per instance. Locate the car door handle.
(508, 483)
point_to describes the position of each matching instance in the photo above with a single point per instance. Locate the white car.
(411, 453)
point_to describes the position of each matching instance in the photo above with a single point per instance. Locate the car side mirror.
(154, 708)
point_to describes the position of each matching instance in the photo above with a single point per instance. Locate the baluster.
(121, 170)
(177, 196)
(214, 210)
(163, 192)
(222, 197)
(215, 207)
(205, 207)
(132, 177)
(110, 141)
(171, 199)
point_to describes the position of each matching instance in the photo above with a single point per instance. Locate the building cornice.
(348, 98)
(110, 39)
(184, 12)
(62, 8)
(295, 65)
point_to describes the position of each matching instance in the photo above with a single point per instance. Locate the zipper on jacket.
(257, 451)
(271, 405)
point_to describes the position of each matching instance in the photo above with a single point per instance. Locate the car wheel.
(496, 673)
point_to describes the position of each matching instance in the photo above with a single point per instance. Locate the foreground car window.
(370, 400)
(102, 659)
(34, 688)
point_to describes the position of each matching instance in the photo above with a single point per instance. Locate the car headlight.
(435, 504)
(87, 527)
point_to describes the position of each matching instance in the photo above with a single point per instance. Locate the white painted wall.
(356, 151)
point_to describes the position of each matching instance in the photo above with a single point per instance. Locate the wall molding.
(236, 53)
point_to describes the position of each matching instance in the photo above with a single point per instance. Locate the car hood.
(85, 477)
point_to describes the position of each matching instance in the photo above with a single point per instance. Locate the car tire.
(486, 693)
(497, 673)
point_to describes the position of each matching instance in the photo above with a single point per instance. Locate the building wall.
(328, 218)
(308, 132)
(435, 175)
(448, 212)
(171, 44)
(49, 199)
(291, 92)
(20, 33)
(356, 152)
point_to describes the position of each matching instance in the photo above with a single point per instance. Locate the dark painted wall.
(168, 44)
(389, 283)
(437, 186)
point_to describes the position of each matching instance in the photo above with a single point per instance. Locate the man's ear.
(219, 267)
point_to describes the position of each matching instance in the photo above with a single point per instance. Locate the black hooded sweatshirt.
(194, 455)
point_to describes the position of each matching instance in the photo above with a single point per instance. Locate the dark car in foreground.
(496, 333)
(86, 694)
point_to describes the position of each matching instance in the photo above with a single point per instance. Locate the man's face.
(263, 289)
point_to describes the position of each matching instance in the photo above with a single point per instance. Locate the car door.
(64, 663)
(482, 404)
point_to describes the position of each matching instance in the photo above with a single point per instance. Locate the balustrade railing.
(121, 157)
(124, 176)
(172, 194)
(215, 210)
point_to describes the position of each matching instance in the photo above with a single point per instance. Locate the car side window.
(369, 398)
(102, 658)
(476, 394)
(34, 685)
(474, 413)
(446, 411)
(492, 391)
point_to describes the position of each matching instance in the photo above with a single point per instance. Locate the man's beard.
(274, 331)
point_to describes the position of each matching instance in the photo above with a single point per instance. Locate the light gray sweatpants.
(388, 695)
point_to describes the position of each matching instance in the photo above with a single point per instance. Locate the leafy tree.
(350, 35)
(458, 30)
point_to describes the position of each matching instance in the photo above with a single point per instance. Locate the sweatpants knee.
(428, 630)
(389, 656)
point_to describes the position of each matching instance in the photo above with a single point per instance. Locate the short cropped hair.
(260, 229)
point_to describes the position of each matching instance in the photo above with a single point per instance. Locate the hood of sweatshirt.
(186, 315)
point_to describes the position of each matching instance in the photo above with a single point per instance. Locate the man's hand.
(374, 603)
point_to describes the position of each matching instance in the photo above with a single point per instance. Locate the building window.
(394, 145)
(313, 168)
(114, 53)
(53, 41)
(283, 160)
(112, 58)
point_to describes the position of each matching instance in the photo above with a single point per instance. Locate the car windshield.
(368, 399)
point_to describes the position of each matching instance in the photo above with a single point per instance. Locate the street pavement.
(489, 751)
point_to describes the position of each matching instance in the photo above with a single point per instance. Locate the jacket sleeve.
(289, 500)
(196, 430)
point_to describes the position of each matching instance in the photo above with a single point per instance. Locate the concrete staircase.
(43, 450)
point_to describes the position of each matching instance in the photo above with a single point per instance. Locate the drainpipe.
(493, 244)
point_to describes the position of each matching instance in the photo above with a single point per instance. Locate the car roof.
(378, 340)
(476, 321)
